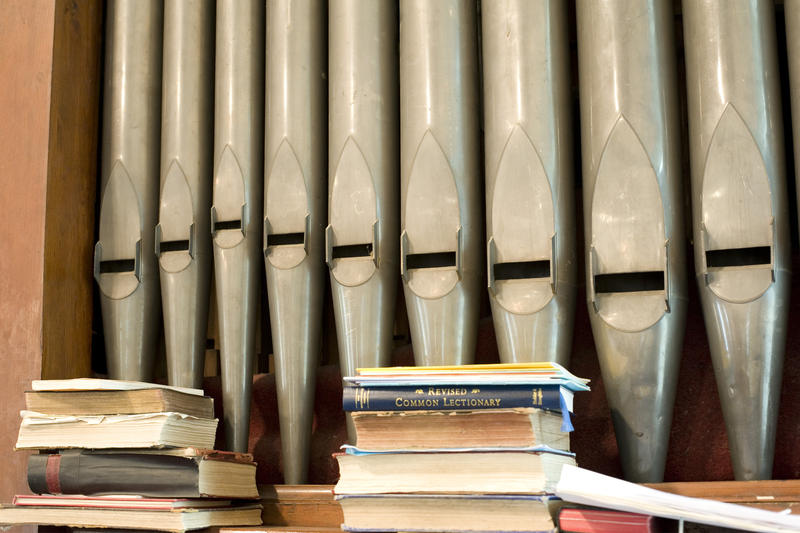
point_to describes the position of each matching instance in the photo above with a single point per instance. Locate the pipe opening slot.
(522, 270)
(117, 266)
(352, 250)
(174, 246)
(285, 239)
(431, 260)
(629, 282)
(227, 224)
(739, 257)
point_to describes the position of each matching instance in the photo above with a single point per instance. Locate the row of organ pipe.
(270, 153)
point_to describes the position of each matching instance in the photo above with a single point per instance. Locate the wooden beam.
(71, 186)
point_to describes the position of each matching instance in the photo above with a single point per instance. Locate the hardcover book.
(454, 398)
(173, 473)
(415, 430)
(448, 512)
(580, 520)
(119, 402)
(116, 502)
(519, 471)
(176, 519)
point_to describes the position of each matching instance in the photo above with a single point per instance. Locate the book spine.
(155, 476)
(451, 398)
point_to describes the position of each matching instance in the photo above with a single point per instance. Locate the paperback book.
(151, 430)
(496, 374)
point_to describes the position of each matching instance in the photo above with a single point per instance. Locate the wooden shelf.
(773, 495)
(300, 505)
(311, 508)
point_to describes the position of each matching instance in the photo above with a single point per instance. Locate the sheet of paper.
(590, 488)
(80, 384)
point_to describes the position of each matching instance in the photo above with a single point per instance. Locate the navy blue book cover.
(452, 397)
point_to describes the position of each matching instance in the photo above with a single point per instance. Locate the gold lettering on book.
(446, 392)
(416, 402)
(471, 402)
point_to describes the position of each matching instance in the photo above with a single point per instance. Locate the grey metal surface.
(791, 12)
(183, 234)
(441, 213)
(125, 266)
(740, 215)
(632, 197)
(362, 243)
(294, 214)
(530, 198)
(237, 202)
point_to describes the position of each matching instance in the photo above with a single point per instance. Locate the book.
(151, 430)
(456, 397)
(174, 473)
(87, 384)
(520, 471)
(493, 374)
(580, 520)
(179, 519)
(413, 430)
(590, 488)
(115, 502)
(119, 402)
(448, 512)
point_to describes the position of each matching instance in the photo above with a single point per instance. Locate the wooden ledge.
(312, 508)
(770, 491)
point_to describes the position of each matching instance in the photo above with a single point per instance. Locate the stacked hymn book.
(462, 448)
(120, 454)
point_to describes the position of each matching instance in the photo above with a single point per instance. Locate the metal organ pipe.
(740, 218)
(530, 206)
(364, 183)
(183, 237)
(441, 215)
(295, 194)
(237, 202)
(635, 263)
(125, 266)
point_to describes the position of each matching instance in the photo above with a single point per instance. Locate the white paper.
(590, 488)
(80, 384)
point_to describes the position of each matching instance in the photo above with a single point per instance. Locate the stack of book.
(467, 448)
(124, 454)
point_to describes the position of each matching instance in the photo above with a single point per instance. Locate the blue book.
(460, 398)
(456, 397)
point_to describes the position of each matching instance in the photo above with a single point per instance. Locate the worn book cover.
(173, 473)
